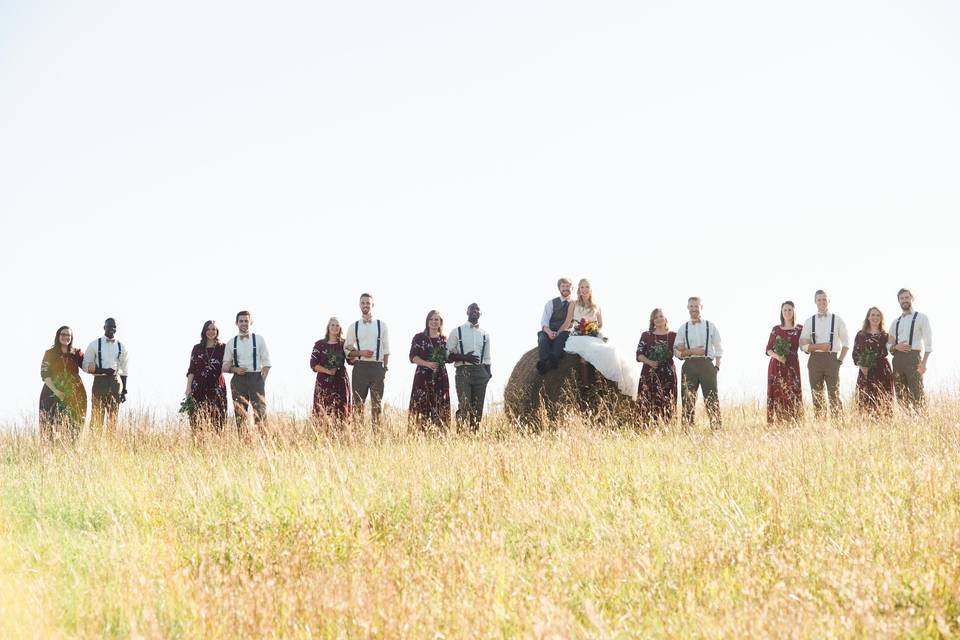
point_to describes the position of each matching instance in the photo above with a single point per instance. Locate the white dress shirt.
(244, 358)
(367, 338)
(692, 335)
(114, 355)
(840, 339)
(473, 340)
(548, 312)
(922, 336)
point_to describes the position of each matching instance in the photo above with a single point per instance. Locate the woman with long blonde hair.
(874, 392)
(596, 354)
(331, 392)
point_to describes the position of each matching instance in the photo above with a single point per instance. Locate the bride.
(585, 321)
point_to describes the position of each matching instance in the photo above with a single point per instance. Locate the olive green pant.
(699, 373)
(248, 390)
(368, 377)
(471, 381)
(105, 401)
(824, 369)
(907, 381)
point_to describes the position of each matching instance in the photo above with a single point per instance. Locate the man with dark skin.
(472, 370)
(106, 358)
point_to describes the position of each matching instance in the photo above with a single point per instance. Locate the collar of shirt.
(696, 321)
(366, 320)
(109, 340)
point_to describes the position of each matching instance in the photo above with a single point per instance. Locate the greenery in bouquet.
(867, 358)
(781, 347)
(660, 352)
(334, 361)
(188, 405)
(588, 328)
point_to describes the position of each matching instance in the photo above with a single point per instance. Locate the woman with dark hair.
(874, 392)
(430, 397)
(331, 393)
(657, 393)
(205, 382)
(784, 390)
(63, 399)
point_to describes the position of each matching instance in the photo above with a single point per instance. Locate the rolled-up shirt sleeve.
(547, 314)
(90, 356)
(122, 362)
(715, 342)
(806, 336)
(263, 352)
(842, 334)
(927, 337)
(384, 340)
(227, 357)
(351, 343)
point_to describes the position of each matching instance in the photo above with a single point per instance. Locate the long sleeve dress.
(657, 392)
(208, 387)
(430, 397)
(331, 393)
(784, 390)
(64, 370)
(874, 393)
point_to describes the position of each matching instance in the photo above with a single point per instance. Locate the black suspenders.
(813, 333)
(356, 330)
(686, 336)
(913, 325)
(120, 350)
(483, 349)
(236, 363)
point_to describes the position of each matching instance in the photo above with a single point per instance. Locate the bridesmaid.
(331, 393)
(430, 397)
(784, 394)
(874, 393)
(657, 393)
(205, 382)
(63, 399)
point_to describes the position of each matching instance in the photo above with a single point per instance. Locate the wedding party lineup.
(570, 327)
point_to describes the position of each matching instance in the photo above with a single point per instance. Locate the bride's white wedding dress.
(602, 355)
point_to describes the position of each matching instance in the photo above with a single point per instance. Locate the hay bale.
(533, 399)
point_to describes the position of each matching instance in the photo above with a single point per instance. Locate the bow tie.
(370, 321)
(244, 337)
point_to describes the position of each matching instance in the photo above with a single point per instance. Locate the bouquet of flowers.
(867, 359)
(587, 328)
(660, 352)
(438, 355)
(334, 361)
(188, 405)
(781, 347)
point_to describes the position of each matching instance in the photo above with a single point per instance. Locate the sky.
(169, 163)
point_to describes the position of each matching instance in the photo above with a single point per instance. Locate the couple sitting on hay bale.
(573, 361)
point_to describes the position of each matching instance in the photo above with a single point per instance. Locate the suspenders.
(235, 361)
(686, 336)
(120, 350)
(356, 331)
(833, 322)
(913, 325)
(483, 349)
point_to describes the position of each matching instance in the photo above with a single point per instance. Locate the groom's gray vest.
(559, 313)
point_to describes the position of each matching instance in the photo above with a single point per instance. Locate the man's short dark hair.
(820, 292)
(365, 295)
(242, 313)
(903, 291)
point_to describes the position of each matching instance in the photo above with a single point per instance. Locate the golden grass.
(813, 531)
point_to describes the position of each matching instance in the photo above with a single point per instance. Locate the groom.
(554, 329)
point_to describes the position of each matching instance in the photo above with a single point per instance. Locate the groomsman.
(909, 336)
(698, 345)
(106, 358)
(825, 339)
(246, 356)
(468, 347)
(554, 329)
(368, 349)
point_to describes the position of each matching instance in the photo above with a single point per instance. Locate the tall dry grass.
(813, 531)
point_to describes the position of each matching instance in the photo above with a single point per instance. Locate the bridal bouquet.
(587, 328)
(781, 347)
(438, 355)
(660, 352)
(867, 359)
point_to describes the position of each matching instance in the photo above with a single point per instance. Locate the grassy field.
(815, 531)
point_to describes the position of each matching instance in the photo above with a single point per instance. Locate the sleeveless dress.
(603, 355)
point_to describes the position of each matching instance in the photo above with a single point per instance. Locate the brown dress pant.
(824, 369)
(248, 390)
(368, 377)
(907, 381)
(105, 401)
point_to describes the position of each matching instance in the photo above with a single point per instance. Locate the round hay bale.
(534, 399)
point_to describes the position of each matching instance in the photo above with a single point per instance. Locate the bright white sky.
(166, 163)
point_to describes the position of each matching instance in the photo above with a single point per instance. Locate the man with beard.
(698, 345)
(825, 339)
(368, 350)
(554, 328)
(909, 336)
